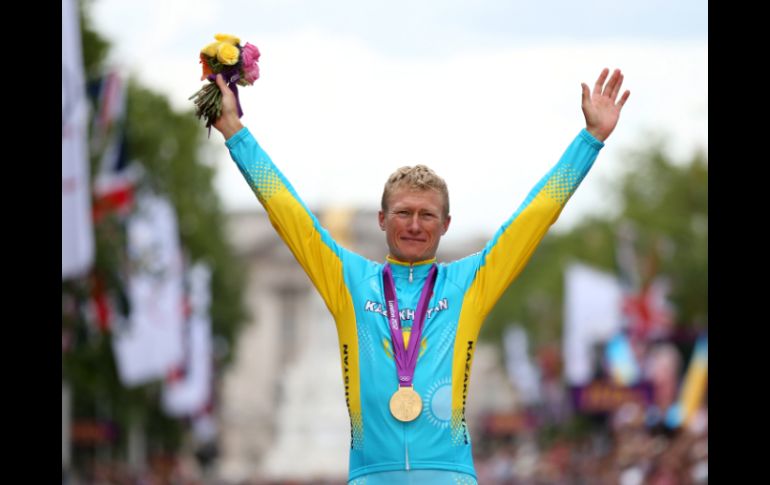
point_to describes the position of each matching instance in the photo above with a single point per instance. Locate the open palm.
(600, 108)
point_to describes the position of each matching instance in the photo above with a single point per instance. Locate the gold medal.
(405, 404)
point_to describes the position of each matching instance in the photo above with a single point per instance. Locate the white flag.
(592, 314)
(191, 393)
(150, 345)
(77, 240)
(522, 372)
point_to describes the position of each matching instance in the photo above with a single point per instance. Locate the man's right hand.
(228, 123)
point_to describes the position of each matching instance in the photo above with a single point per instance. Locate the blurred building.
(283, 413)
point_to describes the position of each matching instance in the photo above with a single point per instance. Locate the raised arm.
(313, 247)
(506, 255)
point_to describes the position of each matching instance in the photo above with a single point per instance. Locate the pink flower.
(250, 56)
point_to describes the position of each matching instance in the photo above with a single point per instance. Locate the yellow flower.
(227, 54)
(211, 49)
(230, 39)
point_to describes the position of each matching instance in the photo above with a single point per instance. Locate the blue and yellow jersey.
(464, 293)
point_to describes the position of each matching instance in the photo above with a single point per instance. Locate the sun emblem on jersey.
(389, 350)
(437, 403)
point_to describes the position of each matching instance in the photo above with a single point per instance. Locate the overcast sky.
(487, 93)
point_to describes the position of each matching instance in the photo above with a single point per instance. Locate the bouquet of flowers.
(236, 63)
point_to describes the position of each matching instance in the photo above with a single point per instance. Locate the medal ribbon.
(406, 359)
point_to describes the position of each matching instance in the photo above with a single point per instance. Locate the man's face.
(414, 223)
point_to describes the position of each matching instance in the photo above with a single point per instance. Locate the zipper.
(406, 449)
(411, 272)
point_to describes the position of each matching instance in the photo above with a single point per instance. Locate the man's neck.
(392, 259)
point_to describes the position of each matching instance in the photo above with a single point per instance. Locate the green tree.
(668, 204)
(169, 146)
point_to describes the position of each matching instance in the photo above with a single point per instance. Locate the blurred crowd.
(627, 452)
(621, 449)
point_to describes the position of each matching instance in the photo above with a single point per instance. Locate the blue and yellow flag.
(693, 388)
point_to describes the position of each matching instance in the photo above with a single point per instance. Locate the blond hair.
(419, 177)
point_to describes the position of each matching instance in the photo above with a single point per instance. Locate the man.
(407, 329)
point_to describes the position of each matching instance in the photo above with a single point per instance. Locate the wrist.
(231, 128)
(597, 134)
